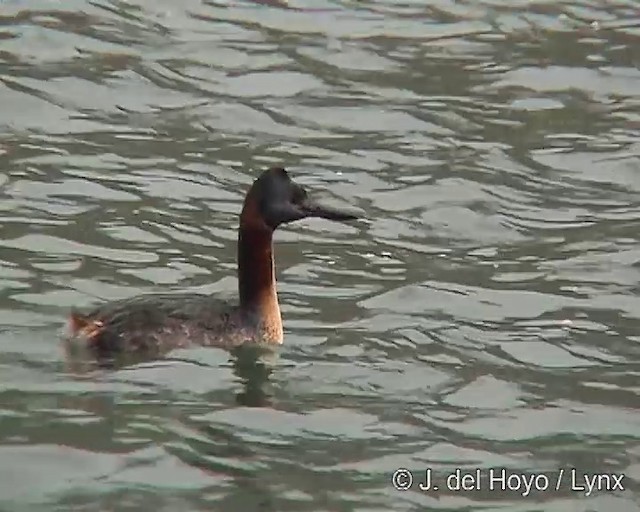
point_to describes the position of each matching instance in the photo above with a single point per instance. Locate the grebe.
(155, 324)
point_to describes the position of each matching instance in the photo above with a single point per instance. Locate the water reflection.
(253, 366)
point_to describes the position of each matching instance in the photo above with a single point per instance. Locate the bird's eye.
(299, 195)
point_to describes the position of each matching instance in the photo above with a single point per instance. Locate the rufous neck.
(256, 269)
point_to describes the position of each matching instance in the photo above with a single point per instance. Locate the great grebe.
(154, 324)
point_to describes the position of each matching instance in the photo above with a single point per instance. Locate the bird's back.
(156, 323)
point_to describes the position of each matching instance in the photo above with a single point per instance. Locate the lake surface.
(485, 316)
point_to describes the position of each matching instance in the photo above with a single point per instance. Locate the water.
(486, 316)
